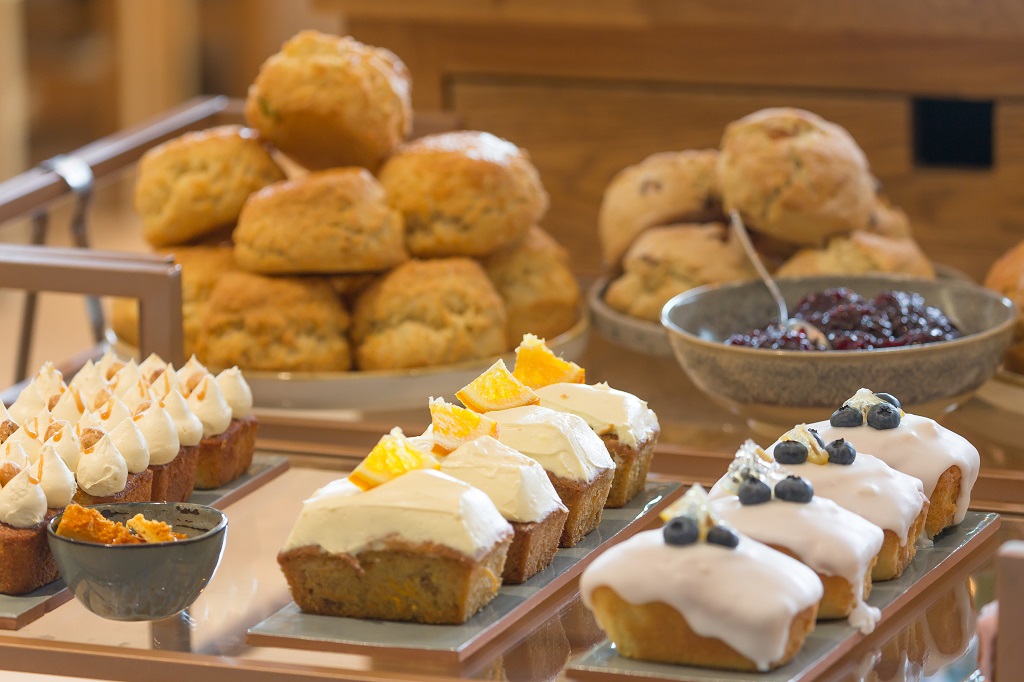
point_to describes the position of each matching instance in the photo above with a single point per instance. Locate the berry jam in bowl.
(933, 344)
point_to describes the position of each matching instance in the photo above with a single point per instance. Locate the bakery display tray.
(290, 627)
(17, 611)
(829, 641)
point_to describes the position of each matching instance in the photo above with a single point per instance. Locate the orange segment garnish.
(453, 425)
(537, 366)
(392, 456)
(496, 389)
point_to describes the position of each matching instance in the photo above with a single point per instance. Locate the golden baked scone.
(860, 252)
(665, 188)
(201, 267)
(329, 221)
(541, 294)
(197, 183)
(329, 101)
(464, 193)
(888, 220)
(429, 312)
(1006, 276)
(274, 323)
(665, 261)
(794, 176)
(350, 287)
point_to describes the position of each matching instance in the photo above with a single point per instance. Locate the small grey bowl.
(780, 388)
(144, 581)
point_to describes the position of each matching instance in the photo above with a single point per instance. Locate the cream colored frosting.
(11, 451)
(31, 433)
(27, 405)
(129, 441)
(518, 485)
(89, 381)
(55, 478)
(102, 470)
(22, 501)
(339, 486)
(65, 443)
(153, 363)
(190, 429)
(829, 539)
(112, 412)
(108, 362)
(166, 383)
(70, 406)
(4, 414)
(190, 373)
(160, 433)
(713, 587)
(138, 395)
(236, 392)
(207, 402)
(422, 506)
(563, 443)
(48, 382)
(605, 409)
(125, 378)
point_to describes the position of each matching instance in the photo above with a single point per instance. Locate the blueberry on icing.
(891, 399)
(794, 489)
(791, 452)
(841, 451)
(883, 416)
(680, 531)
(754, 491)
(846, 416)
(725, 537)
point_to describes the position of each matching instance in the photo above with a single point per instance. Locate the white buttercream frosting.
(710, 586)
(138, 396)
(160, 434)
(125, 378)
(112, 412)
(89, 381)
(64, 442)
(48, 382)
(422, 506)
(12, 451)
(563, 443)
(109, 363)
(236, 392)
(102, 470)
(151, 365)
(518, 485)
(22, 501)
(128, 440)
(70, 407)
(190, 374)
(207, 402)
(28, 404)
(190, 429)
(605, 409)
(55, 478)
(31, 433)
(339, 486)
(166, 383)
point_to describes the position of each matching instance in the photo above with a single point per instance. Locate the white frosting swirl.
(31, 433)
(69, 407)
(11, 451)
(65, 443)
(109, 362)
(138, 395)
(112, 413)
(28, 404)
(55, 478)
(236, 392)
(128, 440)
(191, 374)
(102, 470)
(160, 433)
(153, 363)
(605, 409)
(22, 501)
(207, 402)
(190, 429)
(89, 381)
(125, 378)
(48, 382)
(166, 383)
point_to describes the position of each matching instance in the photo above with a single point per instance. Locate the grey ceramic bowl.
(781, 387)
(145, 581)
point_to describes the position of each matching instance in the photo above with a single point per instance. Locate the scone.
(464, 193)
(197, 183)
(287, 324)
(794, 176)
(664, 189)
(857, 253)
(429, 312)
(665, 261)
(888, 220)
(1006, 276)
(698, 593)
(328, 102)
(533, 276)
(325, 222)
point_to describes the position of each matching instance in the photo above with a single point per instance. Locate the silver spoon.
(815, 335)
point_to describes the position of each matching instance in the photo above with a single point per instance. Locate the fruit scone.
(867, 486)
(782, 511)
(682, 594)
(945, 462)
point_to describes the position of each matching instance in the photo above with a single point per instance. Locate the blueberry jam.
(852, 322)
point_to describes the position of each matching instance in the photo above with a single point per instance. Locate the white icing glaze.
(605, 409)
(65, 444)
(160, 434)
(70, 406)
(563, 443)
(236, 392)
(418, 507)
(711, 587)
(518, 485)
(102, 470)
(831, 540)
(129, 441)
(55, 478)
(22, 501)
(190, 429)
(207, 402)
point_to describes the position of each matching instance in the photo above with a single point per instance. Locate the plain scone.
(857, 253)
(429, 312)
(464, 193)
(198, 182)
(795, 176)
(274, 323)
(327, 101)
(333, 221)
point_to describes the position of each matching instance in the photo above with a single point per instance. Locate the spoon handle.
(740, 231)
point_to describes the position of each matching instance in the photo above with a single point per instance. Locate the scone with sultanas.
(794, 176)
(329, 101)
(464, 193)
(197, 183)
(429, 312)
(290, 324)
(665, 261)
(663, 189)
(860, 252)
(201, 267)
(330, 221)
(541, 294)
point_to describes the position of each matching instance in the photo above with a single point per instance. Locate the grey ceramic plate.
(828, 641)
(290, 627)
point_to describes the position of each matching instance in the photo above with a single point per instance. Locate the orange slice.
(392, 456)
(453, 425)
(537, 366)
(496, 389)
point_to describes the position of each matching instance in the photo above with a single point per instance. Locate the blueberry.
(720, 535)
(680, 531)
(846, 416)
(891, 399)
(814, 432)
(754, 491)
(794, 489)
(883, 416)
(790, 452)
(841, 451)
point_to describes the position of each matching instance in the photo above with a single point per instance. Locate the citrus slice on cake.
(452, 425)
(496, 389)
(392, 456)
(537, 366)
